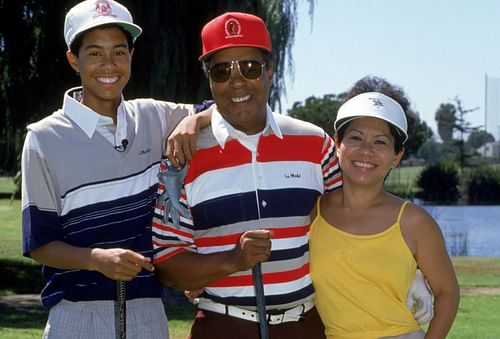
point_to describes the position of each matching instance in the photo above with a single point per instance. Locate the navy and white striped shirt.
(77, 188)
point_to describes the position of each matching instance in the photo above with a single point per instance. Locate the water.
(469, 230)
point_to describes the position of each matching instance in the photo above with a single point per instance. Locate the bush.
(439, 183)
(482, 185)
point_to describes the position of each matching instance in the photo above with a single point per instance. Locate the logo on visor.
(376, 102)
(233, 29)
(103, 8)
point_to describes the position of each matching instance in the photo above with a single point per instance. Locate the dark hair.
(78, 40)
(376, 84)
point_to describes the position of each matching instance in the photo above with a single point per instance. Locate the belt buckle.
(275, 319)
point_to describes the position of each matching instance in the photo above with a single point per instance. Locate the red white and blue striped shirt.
(231, 188)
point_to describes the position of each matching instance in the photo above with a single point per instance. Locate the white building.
(490, 150)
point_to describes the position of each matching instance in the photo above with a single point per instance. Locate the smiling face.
(103, 62)
(366, 152)
(241, 101)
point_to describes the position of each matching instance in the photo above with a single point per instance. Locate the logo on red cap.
(232, 28)
(103, 8)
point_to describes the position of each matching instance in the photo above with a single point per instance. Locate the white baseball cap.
(376, 105)
(93, 13)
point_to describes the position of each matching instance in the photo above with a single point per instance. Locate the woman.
(366, 243)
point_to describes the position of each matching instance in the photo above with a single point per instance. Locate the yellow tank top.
(361, 281)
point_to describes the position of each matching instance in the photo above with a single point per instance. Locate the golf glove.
(420, 299)
(172, 179)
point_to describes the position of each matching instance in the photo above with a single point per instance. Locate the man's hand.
(119, 264)
(420, 299)
(254, 247)
(193, 296)
(181, 144)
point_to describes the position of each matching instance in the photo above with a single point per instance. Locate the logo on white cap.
(376, 102)
(103, 8)
(232, 28)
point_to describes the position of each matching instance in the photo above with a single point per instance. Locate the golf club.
(261, 300)
(121, 310)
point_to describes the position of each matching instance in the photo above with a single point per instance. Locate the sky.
(435, 50)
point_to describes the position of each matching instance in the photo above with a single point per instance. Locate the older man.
(255, 177)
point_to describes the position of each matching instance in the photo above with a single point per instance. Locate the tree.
(319, 111)
(477, 139)
(418, 133)
(446, 121)
(34, 72)
(463, 127)
(430, 151)
(451, 118)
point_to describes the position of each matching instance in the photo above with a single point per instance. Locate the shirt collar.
(88, 119)
(223, 130)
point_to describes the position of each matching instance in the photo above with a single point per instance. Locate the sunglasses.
(249, 69)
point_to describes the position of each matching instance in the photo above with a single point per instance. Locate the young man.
(89, 180)
(256, 174)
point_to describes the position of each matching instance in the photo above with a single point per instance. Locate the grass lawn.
(403, 181)
(478, 315)
(7, 185)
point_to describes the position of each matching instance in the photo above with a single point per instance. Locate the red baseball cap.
(234, 29)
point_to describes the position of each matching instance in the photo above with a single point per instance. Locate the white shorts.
(146, 319)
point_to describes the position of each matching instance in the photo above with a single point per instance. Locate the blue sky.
(434, 49)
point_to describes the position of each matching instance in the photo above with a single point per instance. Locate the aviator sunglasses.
(249, 69)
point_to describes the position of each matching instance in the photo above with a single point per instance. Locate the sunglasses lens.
(220, 72)
(251, 69)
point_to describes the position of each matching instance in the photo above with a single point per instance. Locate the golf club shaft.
(261, 300)
(121, 314)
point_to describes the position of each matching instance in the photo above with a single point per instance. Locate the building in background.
(490, 150)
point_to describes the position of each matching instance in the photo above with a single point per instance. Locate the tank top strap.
(401, 211)
(318, 200)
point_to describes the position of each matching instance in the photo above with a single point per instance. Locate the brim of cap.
(339, 124)
(208, 54)
(133, 29)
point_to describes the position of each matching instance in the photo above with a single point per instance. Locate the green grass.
(17, 324)
(403, 181)
(7, 185)
(478, 316)
(10, 223)
(477, 272)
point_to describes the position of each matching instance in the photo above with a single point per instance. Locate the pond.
(469, 230)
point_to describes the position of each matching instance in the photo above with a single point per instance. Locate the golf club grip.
(121, 298)
(261, 300)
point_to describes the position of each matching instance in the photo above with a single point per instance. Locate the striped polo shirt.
(77, 188)
(231, 188)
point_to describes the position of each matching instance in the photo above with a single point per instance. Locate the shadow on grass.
(22, 319)
(180, 312)
(21, 276)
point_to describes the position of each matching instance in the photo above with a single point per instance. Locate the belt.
(293, 314)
